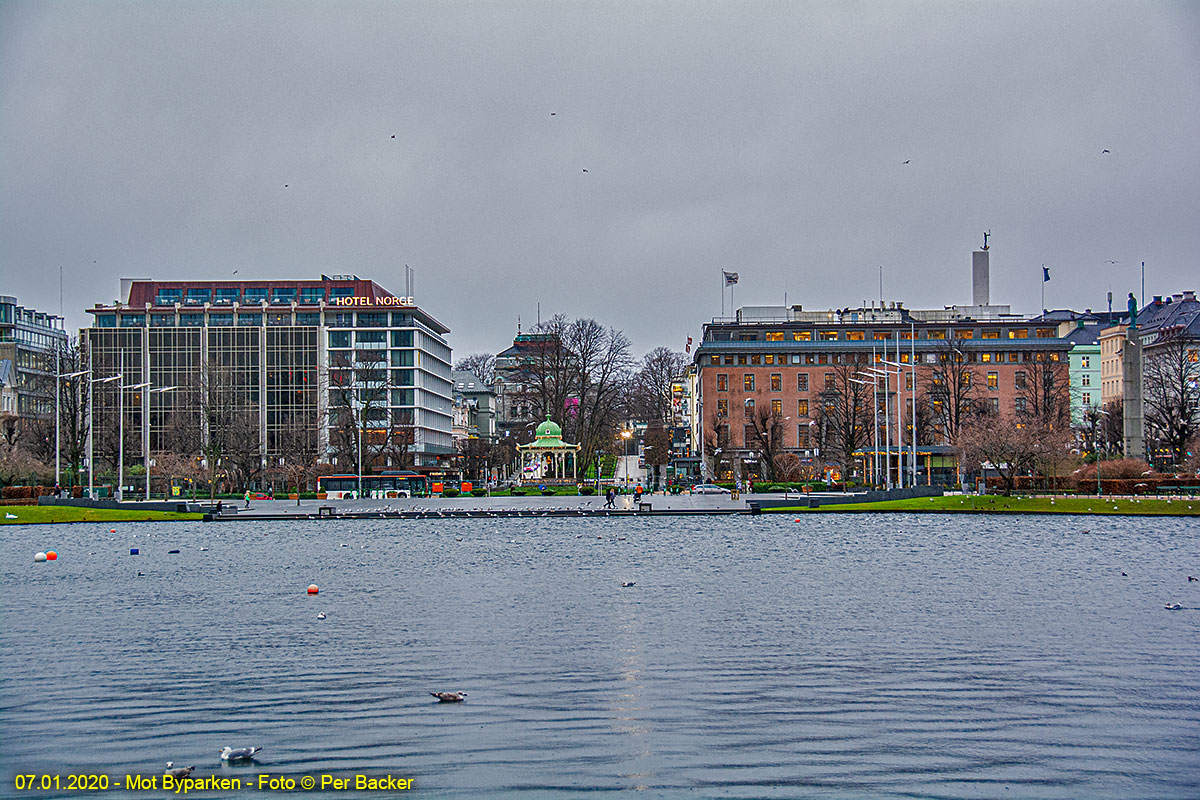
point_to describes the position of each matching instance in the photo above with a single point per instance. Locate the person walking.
(247, 498)
(610, 498)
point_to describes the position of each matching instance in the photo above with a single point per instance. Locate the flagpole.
(722, 294)
(1043, 288)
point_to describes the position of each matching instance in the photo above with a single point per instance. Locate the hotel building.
(278, 368)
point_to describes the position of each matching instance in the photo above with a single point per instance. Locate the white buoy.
(39, 556)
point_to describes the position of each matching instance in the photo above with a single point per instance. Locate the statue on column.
(1133, 305)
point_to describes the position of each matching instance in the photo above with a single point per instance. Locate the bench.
(326, 511)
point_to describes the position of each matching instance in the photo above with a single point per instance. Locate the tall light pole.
(875, 429)
(91, 425)
(58, 418)
(146, 434)
(626, 435)
(121, 387)
(887, 423)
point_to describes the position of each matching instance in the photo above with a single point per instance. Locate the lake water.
(841, 656)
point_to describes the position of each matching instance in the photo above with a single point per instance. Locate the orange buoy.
(51, 555)
(114, 530)
(312, 588)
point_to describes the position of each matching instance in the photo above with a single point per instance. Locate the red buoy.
(312, 588)
(51, 555)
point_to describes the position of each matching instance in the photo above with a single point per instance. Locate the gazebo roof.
(548, 437)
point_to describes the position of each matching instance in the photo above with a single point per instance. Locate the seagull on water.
(178, 772)
(321, 615)
(240, 754)
(1173, 607)
(450, 697)
(627, 584)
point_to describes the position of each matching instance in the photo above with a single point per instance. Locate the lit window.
(1085, 361)
(993, 379)
(802, 408)
(748, 382)
(801, 336)
(775, 336)
(777, 407)
(722, 383)
(722, 408)
(776, 382)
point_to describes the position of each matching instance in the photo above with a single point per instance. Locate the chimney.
(1188, 294)
(980, 294)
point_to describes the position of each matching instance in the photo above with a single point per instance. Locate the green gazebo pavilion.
(548, 459)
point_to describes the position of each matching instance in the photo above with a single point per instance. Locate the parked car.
(709, 488)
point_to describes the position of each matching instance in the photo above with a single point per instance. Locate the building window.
(822, 358)
(254, 296)
(197, 297)
(1086, 380)
(741, 360)
(993, 379)
(1020, 405)
(376, 320)
(985, 357)
(191, 320)
(168, 297)
(1045, 333)
(856, 336)
(776, 382)
(1018, 333)
(802, 436)
(1087, 398)
(220, 320)
(249, 319)
(755, 359)
(801, 336)
(309, 318)
(749, 406)
(1085, 361)
(769, 358)
(748, 382)
(828, 336)
(802, 408)
(714, 359)
(133, 320)
(908, 382)
(829, 380)
(935, 335)
(777, 407)
(775, 336)
(162, 320)
(995, 403)
(990, 335)
(882, 336)
(802, 381)
(964, 333)
(402, 338)
(722, 382)
(312, 295)
(722, 408)
(727, 361)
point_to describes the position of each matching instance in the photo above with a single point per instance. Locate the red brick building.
(792, 363)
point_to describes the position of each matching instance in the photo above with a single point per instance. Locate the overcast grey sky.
(605, 159)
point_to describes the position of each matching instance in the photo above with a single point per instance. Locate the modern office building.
(324, 369)
(28, 340)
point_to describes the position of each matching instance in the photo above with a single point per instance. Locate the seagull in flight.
(1106, 150)
(585, 170)
(908, 161)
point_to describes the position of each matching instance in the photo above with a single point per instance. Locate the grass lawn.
(995, 504)
(37, 515)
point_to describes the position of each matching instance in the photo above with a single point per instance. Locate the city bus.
(384, 485)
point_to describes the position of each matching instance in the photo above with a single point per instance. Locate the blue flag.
(1045, 273)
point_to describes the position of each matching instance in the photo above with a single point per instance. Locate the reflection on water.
(846, 656)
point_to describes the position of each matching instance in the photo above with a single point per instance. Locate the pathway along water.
(889, 656)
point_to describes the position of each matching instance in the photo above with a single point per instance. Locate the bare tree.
(1046, 392)
(845, 416)
(717, 445)
(1171, 386)
(764, 428)
(999, 441)
(650, 391)
(950, 393)
(601, 359)
(481, 365)
(1112, 428)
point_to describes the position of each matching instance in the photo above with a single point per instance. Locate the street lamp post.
(626, 435)
(146, 433)
(599, 468)
(875, 429)
(121, 387)
(58, 418)
(1099, 488)
(91, 426)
